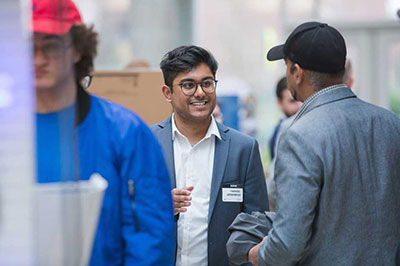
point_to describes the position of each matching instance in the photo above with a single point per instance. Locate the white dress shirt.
(194, 167)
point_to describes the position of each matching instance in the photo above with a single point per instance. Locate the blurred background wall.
(240, 32)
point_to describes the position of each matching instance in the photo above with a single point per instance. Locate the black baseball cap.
(313, 46)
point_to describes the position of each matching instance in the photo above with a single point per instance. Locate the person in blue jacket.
(79, 134)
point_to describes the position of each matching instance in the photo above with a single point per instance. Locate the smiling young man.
(216, 171)
(79, 134)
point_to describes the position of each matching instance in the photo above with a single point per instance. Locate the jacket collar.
(82, 105)
(165, 139)
(220, 159)
(325, 96)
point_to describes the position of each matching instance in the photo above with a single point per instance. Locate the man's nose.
(39, 57)
(199, 91)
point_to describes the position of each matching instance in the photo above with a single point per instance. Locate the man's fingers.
(181, 198)
(252, 257)
(190, 188)
(178, 210)
(179, 191)
(181, 204)
(182, 191)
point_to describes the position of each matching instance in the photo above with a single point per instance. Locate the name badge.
(232, 193)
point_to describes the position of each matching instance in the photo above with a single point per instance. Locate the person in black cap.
(337, 171)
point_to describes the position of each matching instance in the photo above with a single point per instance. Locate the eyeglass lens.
(190, 87)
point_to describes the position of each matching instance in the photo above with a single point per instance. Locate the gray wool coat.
(338, 185)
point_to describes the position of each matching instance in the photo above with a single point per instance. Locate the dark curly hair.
(85, 41)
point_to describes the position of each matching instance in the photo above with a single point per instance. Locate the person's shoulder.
(236, 136)
(285, 124)
(381, 112)
(114, 112)
(121, 123)
(355, 109)
(161, 125)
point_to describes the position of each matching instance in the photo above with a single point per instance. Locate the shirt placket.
(188, 165)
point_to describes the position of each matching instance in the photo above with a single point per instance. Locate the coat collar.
(82, 106)
(325, 96)
(220, 159)
(165, 138)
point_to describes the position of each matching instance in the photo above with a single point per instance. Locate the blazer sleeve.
(298, 172)
(255, 196)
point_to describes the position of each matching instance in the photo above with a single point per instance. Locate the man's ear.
(299, 74)
(77, 57)
(279, 102)
(167, 93)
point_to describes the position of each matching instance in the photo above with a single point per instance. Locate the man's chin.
(200, 118)
(42, 86)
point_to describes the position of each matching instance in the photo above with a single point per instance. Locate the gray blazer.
(338, 186)
(236, 161)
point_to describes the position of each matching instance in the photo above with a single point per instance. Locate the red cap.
(54, 16)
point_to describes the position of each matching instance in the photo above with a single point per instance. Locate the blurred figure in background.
(79, 134)
(348, 74)
(219, 117)
(215, 170)
(288, 106)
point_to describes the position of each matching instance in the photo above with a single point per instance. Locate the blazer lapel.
(220, 158)
(165, 138)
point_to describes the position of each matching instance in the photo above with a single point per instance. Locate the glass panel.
(17, 103)
(137, 32)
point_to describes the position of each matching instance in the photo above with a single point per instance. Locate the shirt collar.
(212, 129)
(312, 98)
(321, 92)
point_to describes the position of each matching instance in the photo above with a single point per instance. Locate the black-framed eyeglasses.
(52, 48)
(189, 87)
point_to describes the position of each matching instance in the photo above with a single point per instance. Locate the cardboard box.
(139, 91)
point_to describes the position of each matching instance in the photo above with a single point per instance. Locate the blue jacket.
(118, 145)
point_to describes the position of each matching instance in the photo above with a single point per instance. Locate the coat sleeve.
(148, 223)
(298, 172)
(255, 189)
(247, 230)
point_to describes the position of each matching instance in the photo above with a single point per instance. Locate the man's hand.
(181, 198)
(253, 253)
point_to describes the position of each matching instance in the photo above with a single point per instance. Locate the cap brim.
(275, 53)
